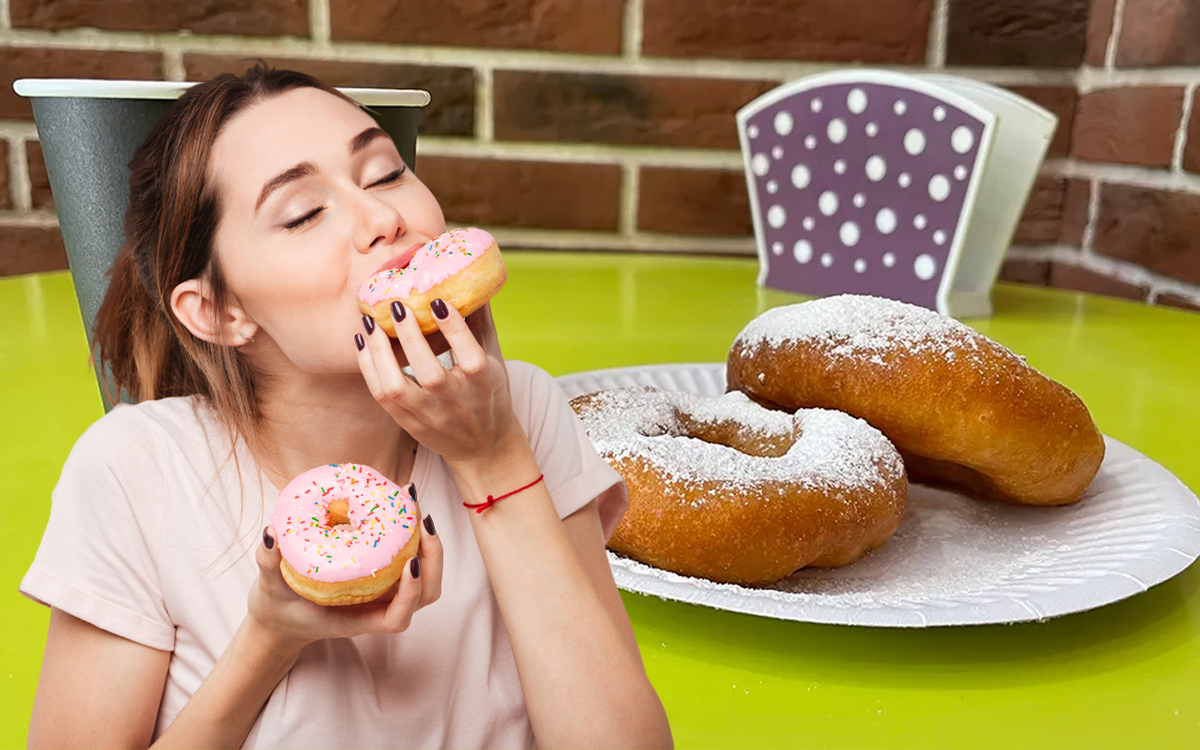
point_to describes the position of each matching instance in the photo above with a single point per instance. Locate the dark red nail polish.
(412, 489)
(429, 526)
(359, 341)
(415, 567)
(398, 311)
(369, 324)
(268, 540)
(439, 309)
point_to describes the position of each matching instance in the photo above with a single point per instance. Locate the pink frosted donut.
(461, 267)
(345, 532)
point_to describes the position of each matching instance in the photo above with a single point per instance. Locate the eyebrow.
(305, 168)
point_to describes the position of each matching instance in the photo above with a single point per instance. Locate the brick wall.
(608, 124)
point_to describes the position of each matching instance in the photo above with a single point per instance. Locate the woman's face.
(314, 200)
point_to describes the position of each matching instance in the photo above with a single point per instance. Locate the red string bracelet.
(481, 507)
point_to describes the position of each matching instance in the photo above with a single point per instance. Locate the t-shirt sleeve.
(99, 552)
(575, 473)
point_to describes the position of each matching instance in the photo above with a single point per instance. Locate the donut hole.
(739, 436)
(339, 513)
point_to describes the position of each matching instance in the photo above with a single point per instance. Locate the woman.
(258, 205)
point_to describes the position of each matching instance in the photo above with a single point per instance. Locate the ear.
(192, 303)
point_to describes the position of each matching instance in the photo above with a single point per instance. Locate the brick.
(1060, 101)
(242, 17)
(1175, 300)
(1159, 32)
(1131, 125)
(451, 110)
(5, 190)
(1156, 229)
(51, 62)
(1099, 29)
(630, 110)
(586, 26)
(875, 31)
(1026, 33)
(544, 195)
(39, 181)
(693, 202)
(1082, 279)
(1041, 221)
(1191, 147)
(25, 249)
(1076, 206)
(1022, 271)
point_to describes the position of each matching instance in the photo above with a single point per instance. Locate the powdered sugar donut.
(461, 267)
(962, 409)
(724, 489)
(345, 532)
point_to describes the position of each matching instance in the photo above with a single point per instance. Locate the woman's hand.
(294, 622)
(465, 413)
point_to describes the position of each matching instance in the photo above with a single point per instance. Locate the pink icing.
(382, 519)
(438, 260)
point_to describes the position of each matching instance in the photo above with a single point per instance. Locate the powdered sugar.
(830, 448)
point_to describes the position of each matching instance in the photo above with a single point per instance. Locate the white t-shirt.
(151, 537)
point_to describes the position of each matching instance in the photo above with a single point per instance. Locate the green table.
(1126, 675)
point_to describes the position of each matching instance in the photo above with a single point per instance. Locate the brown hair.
(169, 227)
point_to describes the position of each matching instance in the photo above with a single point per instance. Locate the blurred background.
(609, 124)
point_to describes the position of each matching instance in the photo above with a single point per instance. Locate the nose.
(379, 223)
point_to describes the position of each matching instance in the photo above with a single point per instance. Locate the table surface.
(1124, 675)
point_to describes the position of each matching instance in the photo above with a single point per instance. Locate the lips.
(401, 260)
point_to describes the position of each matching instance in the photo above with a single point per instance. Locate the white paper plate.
(955, 560)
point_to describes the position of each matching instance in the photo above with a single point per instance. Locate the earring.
(248, 338)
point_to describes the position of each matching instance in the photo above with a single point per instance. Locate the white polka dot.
(904, 179)
(872, 129)
(753, 131)
(860, 266)
(914, 141)
(939, 113)
(810, 142)
(960, 172)
(784, 123)
(828, 203)
(849, 234)
(919, 221)
(899, 107)
(801, 176)
(815, 105)
(860, 200)
(889, 259)
(839, 166)
(777, 152)
(925, 267)
(961, 139)
(802, 251)
(808, 223)
(760, 164)
(777, 248)
(885, 220)
(856, 101)
(826, 260)
(836, 130)
(776, 216)
(939, 187)
(772, 187)
(939, 237)
(876, 168)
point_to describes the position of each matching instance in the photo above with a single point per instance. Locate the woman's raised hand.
(295, 621)
(464, 413)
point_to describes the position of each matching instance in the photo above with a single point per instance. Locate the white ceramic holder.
(902, 186)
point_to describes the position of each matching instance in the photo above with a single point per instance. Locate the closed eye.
(394, 176)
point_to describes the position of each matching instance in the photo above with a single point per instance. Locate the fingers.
(471, 357)
(430, 554)
(267, 556)
(425, 365)
(398, 614)
(386, 381)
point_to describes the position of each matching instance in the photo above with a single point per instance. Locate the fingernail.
(439, 309)
(359, 341)
(415, 566)
(412, 489)
(429, 526)
(268, 540)
(369, 324)
(398, 311)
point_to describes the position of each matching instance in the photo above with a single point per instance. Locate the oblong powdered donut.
(962, 409)
(723, 489)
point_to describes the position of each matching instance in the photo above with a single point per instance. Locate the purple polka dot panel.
(865, 182)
